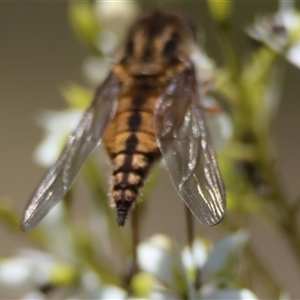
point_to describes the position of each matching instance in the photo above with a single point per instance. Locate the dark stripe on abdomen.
(133, 158)
(134, 121)
(131, 143)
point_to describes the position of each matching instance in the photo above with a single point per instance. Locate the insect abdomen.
(131, 143)
(127, 181)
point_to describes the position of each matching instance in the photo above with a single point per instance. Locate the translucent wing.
(81, 143)
(185, 144)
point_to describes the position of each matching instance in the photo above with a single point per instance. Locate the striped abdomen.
(131, 144)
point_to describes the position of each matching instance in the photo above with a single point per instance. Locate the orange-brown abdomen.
(130, 141)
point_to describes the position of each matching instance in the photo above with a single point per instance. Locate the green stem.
(231, 59)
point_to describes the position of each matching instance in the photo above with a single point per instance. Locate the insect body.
(147, 107)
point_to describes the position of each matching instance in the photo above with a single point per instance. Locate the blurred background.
(39, 55)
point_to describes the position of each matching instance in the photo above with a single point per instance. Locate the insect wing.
(81, 143)
(185, 144)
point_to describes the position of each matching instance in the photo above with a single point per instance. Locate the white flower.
(218, 123)
(204, 68)
(159, 257)
(55, 231)
(155, 257)
(95, 69)
(280, 32)
(58, 126)
(270, 31)
(165, 270)
(114, 18)
(107, 42)
(293, 54)
(174, 273)
(25, 273)
(195, 256)
(116, 15)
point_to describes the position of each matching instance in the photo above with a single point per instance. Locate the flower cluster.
(164, 271)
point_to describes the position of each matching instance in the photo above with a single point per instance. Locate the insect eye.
(171, 45)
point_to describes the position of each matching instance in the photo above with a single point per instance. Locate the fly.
(148, 108)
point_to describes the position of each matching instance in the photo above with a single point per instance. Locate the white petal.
(187, 258)
(23, 274)
(65, 120)
(155, 257)
(290, 18)
(219, 123)
(49, 149)
(113, 292)
(286, 5)
(204, 69)
(54, 219)
(34, 295)
(107, 42)
(161, 258)
(95, 69)
(293, 55)
(90, 280)
(56, 232)
(196, 258)
(41, 264)
(35, 256)
(265, 31)
(16, 275)
(227, 294)
(200, 252)
(58, 126)
(285, 296)
(115, 9)
(222, 252)
(220, 128)
(116, 15)
(276, 30)
(164, 295)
